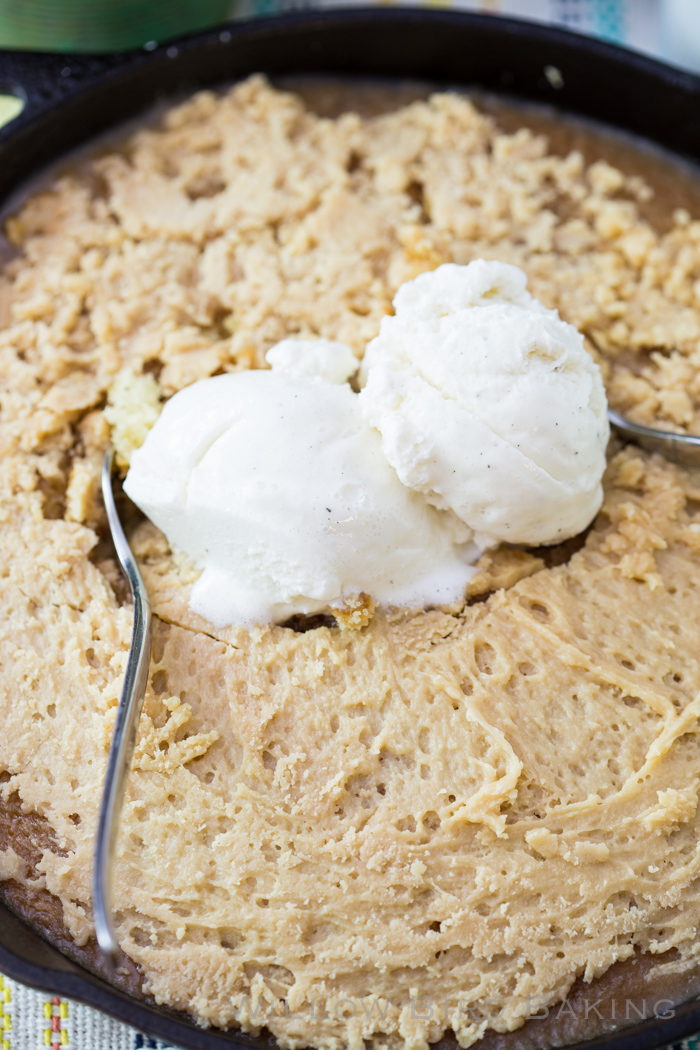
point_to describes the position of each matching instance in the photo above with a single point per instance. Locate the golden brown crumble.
(483, 803)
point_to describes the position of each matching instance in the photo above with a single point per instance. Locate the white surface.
(680, 32)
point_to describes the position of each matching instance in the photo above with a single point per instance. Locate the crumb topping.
(468, 804)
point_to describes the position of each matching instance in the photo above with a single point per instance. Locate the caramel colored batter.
(327, 828)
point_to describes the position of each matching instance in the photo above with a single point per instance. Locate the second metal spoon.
(681, 448)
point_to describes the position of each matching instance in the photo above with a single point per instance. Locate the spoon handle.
(124, 738)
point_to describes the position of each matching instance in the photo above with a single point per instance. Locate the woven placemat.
(36, 1020)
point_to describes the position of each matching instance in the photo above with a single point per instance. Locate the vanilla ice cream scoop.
(489, 405)
(321, 358)
(273, 483)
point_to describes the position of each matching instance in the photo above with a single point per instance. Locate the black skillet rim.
(71, 98)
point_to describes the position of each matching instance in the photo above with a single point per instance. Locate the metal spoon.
(124, 738)
(681, 448)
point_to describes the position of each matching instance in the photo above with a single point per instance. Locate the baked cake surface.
(475, 806)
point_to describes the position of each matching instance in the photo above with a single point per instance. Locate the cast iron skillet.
(70, 98)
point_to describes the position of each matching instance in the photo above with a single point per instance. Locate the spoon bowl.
(683, 449)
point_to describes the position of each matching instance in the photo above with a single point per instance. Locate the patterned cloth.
(33, 1020)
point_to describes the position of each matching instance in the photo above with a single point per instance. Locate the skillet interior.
(454, 49)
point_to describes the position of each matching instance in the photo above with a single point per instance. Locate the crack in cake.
(323, 826)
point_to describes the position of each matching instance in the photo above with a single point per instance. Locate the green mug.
(103, 25)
